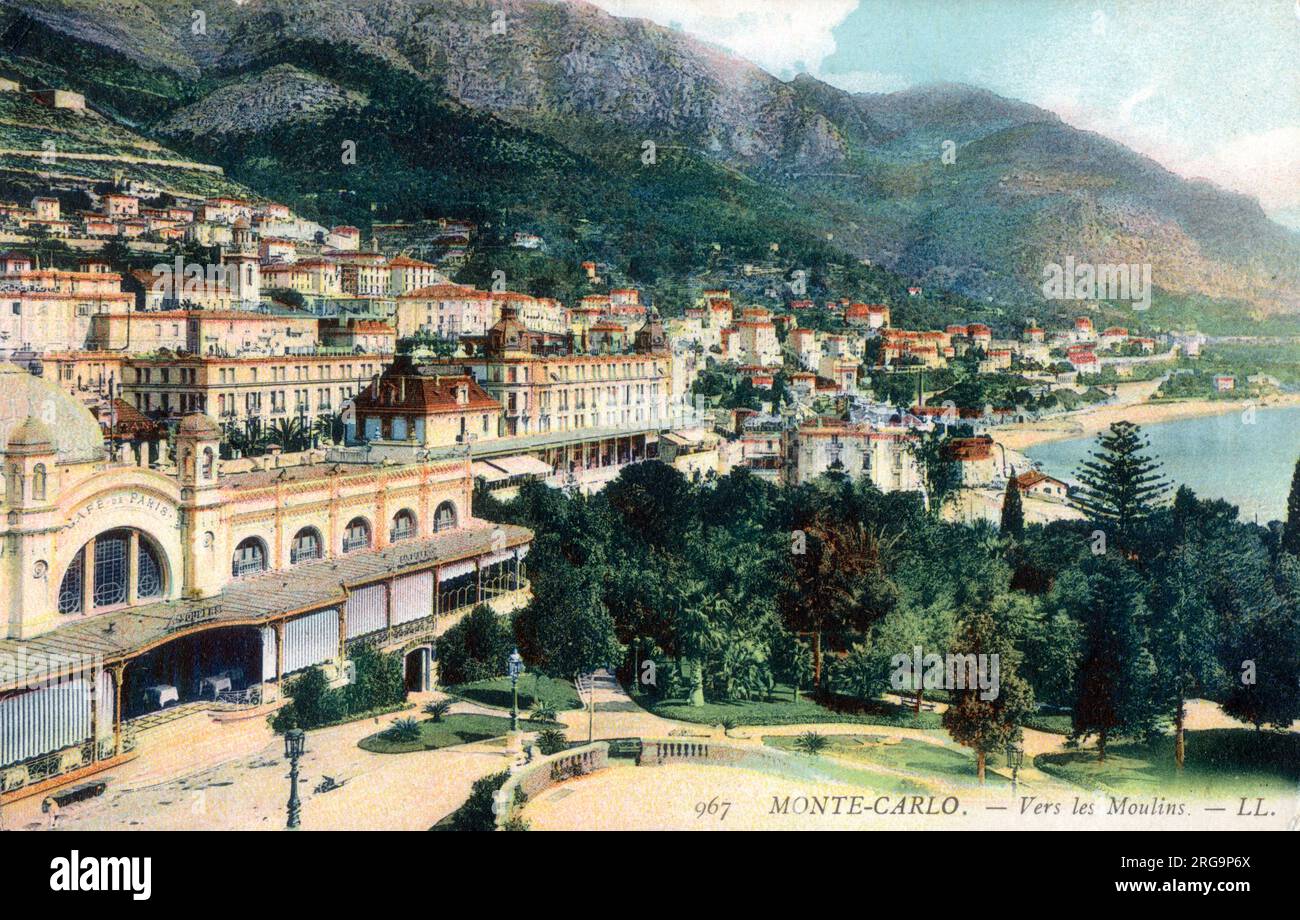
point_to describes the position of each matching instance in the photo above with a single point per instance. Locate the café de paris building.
(130, 594)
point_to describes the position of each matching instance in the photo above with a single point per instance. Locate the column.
(94, 716)
(278, 626)
(343, 632)
(133, 568)
(88, 577)
(478, 581)
(119, 671)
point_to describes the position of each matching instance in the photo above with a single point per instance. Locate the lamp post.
(295, 740)
(1015, 757)
(516, 668)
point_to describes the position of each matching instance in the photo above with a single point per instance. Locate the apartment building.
(237, 389)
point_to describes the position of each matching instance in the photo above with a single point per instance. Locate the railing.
(450, 605)
(306, 555)
(351, 544)
(58, 763)
(544, 773)
(249, 567)
(250, 696)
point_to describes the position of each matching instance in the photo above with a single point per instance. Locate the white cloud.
(1132, 102)
(779, 37)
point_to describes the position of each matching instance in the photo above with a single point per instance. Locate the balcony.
(353, 544)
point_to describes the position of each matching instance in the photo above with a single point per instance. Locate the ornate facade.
(128, 589)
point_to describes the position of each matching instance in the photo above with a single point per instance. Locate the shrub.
(380, 681)
(476, 648)
(403, 730)
(312, 703)
(542, 712)
(811, 743)
(437, 709)
(551, 741)
(476, 814)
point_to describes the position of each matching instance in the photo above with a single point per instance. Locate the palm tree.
(437, 709)
(404, 730)
(330, 427)
(290, 434)
(542, 712)
(551, 741)
(811, 743)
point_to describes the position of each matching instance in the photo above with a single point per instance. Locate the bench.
(75, 794)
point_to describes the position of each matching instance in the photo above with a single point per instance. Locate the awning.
(481, 470)
(522, 465)
(455, 570)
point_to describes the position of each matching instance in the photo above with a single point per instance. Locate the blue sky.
(1208, 88)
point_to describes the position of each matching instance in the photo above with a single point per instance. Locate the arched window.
(403, 526)
(208, 461)
(250, 557)
(307, 545)
(71, 591)
(112, 565)
(38, 482)
(357, 535)
(149, 572)
(444, 518)
(14, 485)
(110, 571)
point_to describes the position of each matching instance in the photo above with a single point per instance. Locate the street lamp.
(1015, 757)
(516, 668)
(295, 741)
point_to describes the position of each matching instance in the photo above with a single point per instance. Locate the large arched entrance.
(419, 667)
(200, 666)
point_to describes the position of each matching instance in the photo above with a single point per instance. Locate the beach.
(1133, 406)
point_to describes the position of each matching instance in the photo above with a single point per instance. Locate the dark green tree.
(1121, 485)
(1114, 688)
(566, 629)
(1013, 513)
(1184, 633)
(942, 477)
(987, 719)
(1291, 529)
(476, 648)
(1262, 654)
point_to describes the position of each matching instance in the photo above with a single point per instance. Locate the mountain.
(559, 102)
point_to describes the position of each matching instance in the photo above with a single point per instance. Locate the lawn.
(906, 754)
(496, 692)
(458, 728)
(780, 709)
(1219, 762)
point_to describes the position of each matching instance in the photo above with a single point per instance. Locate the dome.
(30, 436)
(198, 425)
(31, 407)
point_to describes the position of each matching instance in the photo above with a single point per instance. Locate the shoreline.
(1089, 422)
